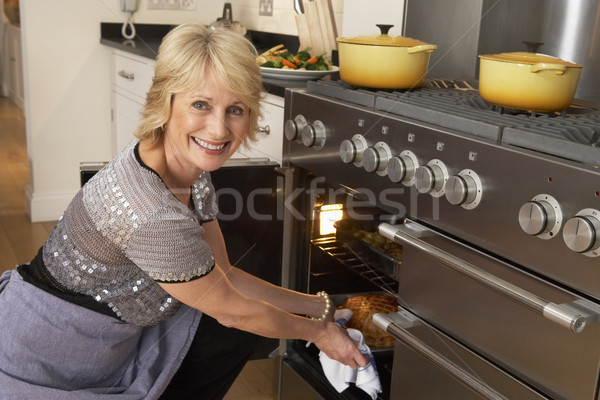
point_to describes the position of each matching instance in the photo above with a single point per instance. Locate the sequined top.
(123, 232)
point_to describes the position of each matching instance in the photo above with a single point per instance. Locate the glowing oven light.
(327, 216)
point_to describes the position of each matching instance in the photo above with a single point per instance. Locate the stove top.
(573, 134)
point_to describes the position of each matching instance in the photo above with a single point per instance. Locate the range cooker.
(498, 214)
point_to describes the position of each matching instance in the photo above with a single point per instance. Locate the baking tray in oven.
(339, 299)
(365, 242)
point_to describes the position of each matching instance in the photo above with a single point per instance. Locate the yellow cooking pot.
(528, 81)
(383, 61)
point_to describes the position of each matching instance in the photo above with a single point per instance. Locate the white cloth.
(340, 376)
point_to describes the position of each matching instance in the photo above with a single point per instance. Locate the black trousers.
(213, 362)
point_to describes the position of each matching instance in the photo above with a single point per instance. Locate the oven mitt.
(340, 376)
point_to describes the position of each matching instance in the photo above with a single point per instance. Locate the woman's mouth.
(209, 146)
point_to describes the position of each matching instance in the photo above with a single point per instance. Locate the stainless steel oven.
(497, 212)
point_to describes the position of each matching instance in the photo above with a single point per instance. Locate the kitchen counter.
(145, 43)
(149, 36)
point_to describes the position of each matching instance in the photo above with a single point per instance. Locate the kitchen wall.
(67, 103)
(245, 11)
(67, 81)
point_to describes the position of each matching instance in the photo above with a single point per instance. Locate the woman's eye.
(236, 110)
(200, 105)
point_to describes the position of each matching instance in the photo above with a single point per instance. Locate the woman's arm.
(240, 300)
(256, 288)
(214, 295)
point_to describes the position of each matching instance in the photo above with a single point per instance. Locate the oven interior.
(345, 256)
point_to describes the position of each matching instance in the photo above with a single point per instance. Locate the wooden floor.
(20, 239)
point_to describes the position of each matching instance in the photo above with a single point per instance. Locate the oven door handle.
(395, 325)
(573, 316)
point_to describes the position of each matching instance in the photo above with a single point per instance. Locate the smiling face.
(206, 126)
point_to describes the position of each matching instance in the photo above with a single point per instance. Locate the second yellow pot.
(528, 81)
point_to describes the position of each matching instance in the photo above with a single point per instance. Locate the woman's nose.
(218, 125)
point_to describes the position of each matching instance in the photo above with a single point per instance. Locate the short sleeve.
(205, 199)
(170, 248)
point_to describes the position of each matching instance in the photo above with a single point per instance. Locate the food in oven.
(364, 241)
(363, 307)
(381, 243)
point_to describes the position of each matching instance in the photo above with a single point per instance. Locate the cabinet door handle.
(127, 75)
(265, 129)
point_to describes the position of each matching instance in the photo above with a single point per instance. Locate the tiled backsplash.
(283, 19)
(360, 16)
(246, 12)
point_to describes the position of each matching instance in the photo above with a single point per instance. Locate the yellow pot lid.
(382, 40)
(528, 58)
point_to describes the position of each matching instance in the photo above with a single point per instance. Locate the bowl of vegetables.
(282, 67)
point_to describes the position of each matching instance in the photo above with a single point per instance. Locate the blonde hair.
(185, 56)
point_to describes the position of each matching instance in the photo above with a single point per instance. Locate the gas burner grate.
(581, 143)
(572, 112)
(339, 90)
(461, 111)
(572, 134)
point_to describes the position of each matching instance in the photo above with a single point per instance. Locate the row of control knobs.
(541, 217)
(311, 135)
(462, 189)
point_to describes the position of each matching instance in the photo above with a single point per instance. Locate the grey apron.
(53, 349)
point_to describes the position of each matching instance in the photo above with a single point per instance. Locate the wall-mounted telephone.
(129, 5)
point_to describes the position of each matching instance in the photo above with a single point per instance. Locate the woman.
(133, 295)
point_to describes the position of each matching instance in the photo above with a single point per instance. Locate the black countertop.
(149, 36)
(145, 43)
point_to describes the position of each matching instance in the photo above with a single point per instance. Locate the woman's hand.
(338, 345)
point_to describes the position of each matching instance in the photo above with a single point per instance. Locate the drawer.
(133, 73)
(467, 294)
(416, 377)
(270, 140)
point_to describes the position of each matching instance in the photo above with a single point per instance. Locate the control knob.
(376, 158)
(293, 127)
(313, 135)
(351, 150)
(431, 178)
(402, 167)
(582, 233)
(464, 189)
(541, 216)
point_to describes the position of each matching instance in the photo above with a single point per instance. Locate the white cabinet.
(270, 138)
(131, 79)
(15, 65)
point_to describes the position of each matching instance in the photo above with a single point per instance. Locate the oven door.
(498, 330)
